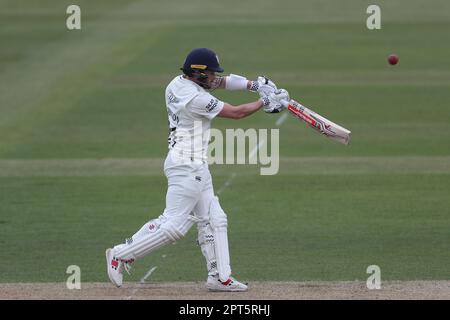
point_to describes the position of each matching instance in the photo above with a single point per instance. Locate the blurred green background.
(83, 129)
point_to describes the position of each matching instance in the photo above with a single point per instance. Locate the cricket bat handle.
(285, 103)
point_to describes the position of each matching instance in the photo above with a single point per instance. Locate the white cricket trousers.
(189, 199)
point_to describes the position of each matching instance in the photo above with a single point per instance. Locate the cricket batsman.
(190, 195)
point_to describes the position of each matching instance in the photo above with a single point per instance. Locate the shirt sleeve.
(205, 105)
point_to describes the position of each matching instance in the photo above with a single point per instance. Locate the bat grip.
(285, 103)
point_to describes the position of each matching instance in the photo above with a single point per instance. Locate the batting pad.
(219, 223)
(167, 232)
(206, 243)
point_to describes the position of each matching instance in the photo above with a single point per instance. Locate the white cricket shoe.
(231, 285)
(115, 268)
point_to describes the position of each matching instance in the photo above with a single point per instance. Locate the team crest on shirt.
(212, 105)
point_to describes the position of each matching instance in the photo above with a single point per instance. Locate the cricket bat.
(319, 123)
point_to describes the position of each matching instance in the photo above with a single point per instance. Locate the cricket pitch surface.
(344, 290)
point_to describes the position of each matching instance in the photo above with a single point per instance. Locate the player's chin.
(214, 84)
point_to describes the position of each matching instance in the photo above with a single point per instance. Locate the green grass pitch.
(72, 99)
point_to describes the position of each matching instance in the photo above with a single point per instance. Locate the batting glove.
(273, 103)
(263, 85)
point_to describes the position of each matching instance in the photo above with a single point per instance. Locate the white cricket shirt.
(190, 110)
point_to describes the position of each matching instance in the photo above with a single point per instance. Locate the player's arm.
(241, 111)
(263, 85)
(271, 103)
(235, 82)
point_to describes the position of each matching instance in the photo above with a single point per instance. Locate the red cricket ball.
(393, 59)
